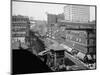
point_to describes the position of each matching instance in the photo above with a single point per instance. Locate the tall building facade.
(60, 17)
(77, 13)
(52, 26)
(52, 18)
(20, 28)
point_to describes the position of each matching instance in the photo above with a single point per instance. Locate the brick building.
(78, 36)
(20, 28)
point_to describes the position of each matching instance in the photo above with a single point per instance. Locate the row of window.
(17, 39)
(20, 24)
(76, 39)
(19, 30)
(20, 19)
(77, 33)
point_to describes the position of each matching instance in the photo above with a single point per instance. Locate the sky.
(38, 11)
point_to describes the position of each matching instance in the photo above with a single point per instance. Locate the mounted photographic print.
(52, 37)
